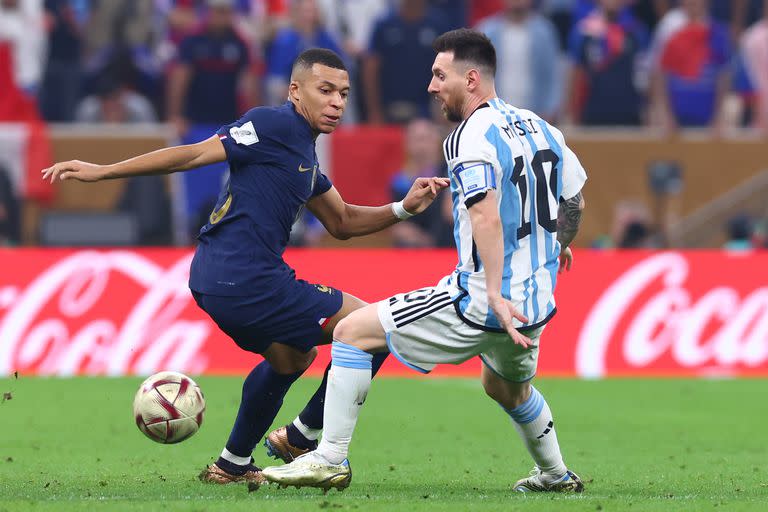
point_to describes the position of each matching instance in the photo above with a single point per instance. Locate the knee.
(345, 331)
(508, 394)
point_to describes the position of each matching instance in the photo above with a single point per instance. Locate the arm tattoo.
(568, 219)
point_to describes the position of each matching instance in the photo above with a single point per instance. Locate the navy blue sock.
(263, 392)
(235, 469)
(312, 415)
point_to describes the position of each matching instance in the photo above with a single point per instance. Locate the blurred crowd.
(199, 64)
(701, 63)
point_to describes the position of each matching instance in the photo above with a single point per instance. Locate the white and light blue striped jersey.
(525, 160)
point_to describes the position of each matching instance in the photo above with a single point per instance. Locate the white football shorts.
(424, 330)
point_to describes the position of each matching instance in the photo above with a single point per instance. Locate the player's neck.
(298, 108)
(475, 101)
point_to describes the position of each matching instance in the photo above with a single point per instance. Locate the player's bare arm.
(344, 220)
(489, 238)
(162, 161)
(568, 222)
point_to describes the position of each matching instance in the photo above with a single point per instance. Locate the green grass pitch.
(422, 445)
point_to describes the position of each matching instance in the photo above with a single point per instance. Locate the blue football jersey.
(273, 173)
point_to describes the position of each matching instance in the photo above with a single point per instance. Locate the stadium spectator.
(60, 88)
(693, 69)
(650, 12)
(636, 235)
(631, 225)
(604, 48)
(123, 32)
(455, 12)
(351, 22)
(304, 31)
(397, 63)
(422, 160)
(754, 55)
(740, 230)
(560, 12)
(736, 14)
(481, 9)
(528, 55)
(213, 66)
(21, 25)
(204, 83)
(119, 23)
(24, 150)
(115, 103)
(10, 214)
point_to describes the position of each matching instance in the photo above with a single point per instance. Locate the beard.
(452, 114)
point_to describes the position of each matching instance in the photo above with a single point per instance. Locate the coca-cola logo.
(107, 313)
(716, 332)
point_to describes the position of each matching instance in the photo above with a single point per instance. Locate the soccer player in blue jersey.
(517, 204)
(238, 275)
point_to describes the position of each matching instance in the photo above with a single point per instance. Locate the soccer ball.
(168, 407)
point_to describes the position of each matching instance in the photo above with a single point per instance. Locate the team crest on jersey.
(245, 134)
(324, 289)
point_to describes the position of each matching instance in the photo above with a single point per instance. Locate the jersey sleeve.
(574, 175)
(322, 185)
(244, 140)
(471, 160)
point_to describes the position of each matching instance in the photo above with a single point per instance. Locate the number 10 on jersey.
(543, 190)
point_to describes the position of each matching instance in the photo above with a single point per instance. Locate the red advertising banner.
(118, 312)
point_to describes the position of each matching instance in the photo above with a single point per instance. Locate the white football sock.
(533, 421)
(310, 433)
(348, 384)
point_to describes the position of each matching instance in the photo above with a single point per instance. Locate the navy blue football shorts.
(293, 315)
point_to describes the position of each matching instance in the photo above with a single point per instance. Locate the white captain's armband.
(475, 179)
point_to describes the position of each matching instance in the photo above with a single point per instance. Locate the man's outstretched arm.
(343, 220)
(162, 161)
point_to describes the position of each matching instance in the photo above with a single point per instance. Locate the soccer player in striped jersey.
(517, 205)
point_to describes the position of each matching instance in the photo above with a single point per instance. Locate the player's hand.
(74, 169)
(566, 260)
(422, 193)
(505, 311)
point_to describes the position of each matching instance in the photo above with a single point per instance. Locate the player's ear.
(293, 90)
(472, 78)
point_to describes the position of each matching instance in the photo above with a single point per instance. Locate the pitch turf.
(422, 445)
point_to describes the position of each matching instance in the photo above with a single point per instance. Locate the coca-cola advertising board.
(620, 313)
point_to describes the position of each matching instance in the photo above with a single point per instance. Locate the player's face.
(448, 85)
(322, 96)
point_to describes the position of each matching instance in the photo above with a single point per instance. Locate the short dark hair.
(322, 56)
(469, 46)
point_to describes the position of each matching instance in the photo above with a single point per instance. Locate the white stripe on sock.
(235, 459)
(310, 433)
